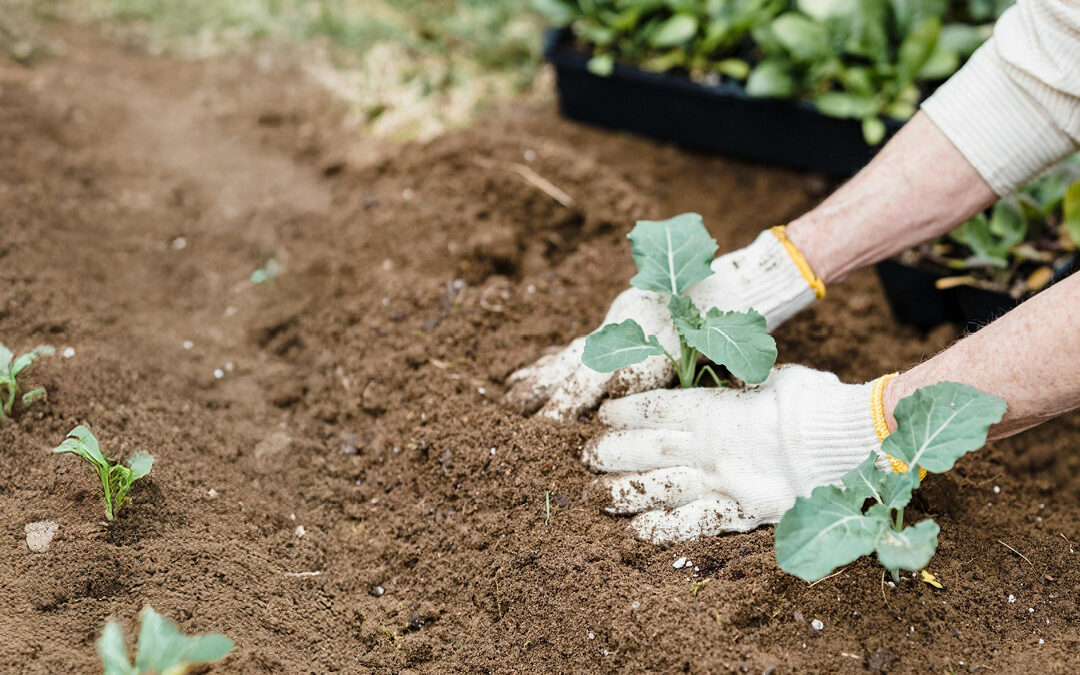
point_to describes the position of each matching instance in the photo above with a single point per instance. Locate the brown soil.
(362, 400)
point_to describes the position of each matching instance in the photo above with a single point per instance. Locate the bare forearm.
(1030, 357)
(918, 187)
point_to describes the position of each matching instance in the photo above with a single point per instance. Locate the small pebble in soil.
(680, 563)
(230, 311)
(408, 194)
(1031, 610)
(997, 489)
(492, 451)
(592, 636)
(229, 367)
(1041, 641)
(218, 373)
(299, 531)
(635, 604)
(68, 352)
(816, 624)
(481, 391)
(378, 591)
(1012, 598)
(188, 344)
(178, 244)
(387, 265)
(530, 155)
(40, 534)
(212, 492)
(530, 289)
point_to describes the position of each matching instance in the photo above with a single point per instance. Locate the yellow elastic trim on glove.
(881, 427)
(780, 231)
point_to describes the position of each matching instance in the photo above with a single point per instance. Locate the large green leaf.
(909, 549)
(823, 531)
(771, 78)
(671, 255)
(1070, 213)
(675, 31)
(618, 345)
(738, 340)
(163, 649)
(940, 423)
(865, 480)
(803, 37)
(81, 442)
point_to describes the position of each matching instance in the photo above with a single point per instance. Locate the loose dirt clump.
(337, 487)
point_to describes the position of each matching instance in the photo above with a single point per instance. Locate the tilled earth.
(349, 495)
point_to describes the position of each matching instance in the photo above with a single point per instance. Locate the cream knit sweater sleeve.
(1014, 108)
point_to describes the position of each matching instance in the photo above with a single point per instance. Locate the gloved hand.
(769, 275)
(705, 461)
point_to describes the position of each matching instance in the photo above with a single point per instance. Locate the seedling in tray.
(162, 650)
(671, 256)
(935, 426)
(10, 367)
(116, 479)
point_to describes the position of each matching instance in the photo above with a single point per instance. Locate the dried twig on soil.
(883, 596)
(303, 574)
(1017, 553)
(532, 178)
(839, 571)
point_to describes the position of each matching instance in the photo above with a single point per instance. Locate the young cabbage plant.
(834, 526)
(116, 479)
(10, 368)
(671, 256)
(162, 650)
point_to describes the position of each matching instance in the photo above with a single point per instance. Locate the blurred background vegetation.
(409, 68)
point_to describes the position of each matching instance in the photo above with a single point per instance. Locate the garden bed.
(359, 400)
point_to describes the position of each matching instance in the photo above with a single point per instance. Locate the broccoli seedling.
(116, 479)
(935, 426)
(162, 650)
(671, 256)
(10, 367)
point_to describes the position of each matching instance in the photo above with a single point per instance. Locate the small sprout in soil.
(697, 586)
(671, 256)
(10, 368)
(267, 272)
(936, 426)
(116, 479)
(162, 650)
(547, 507)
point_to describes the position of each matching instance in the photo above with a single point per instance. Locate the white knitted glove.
(763, 276)
(705, 461)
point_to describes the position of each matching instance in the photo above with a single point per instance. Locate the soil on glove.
(337, 487)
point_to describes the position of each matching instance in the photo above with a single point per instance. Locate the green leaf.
(736, 68)
(771, 78)
(962, 39)
(909, 549)
(823, 9)
(558, 12)
(113, 653)
(82, 442)
(865, 480)
(140, 464)
(896, 488)
(873, 130)
(823, 531)
(26, 359)
(1070, 213)
(163, 649)
(618, 345)
(683, 309)
(671, 255)
(601, 65)
(845, 104)
(804, 38)
(738, 340)
(939, 424)
(1008, 223)
(986, 249)
(30, 397)
(5, 360)
(916, 49)
(678, 29)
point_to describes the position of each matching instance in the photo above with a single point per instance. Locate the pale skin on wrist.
(917, 188)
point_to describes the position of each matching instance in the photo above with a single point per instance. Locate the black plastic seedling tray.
(916, 300)
(716, 118)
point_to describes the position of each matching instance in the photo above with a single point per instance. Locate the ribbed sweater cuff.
(996, 123)
(840, 435)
